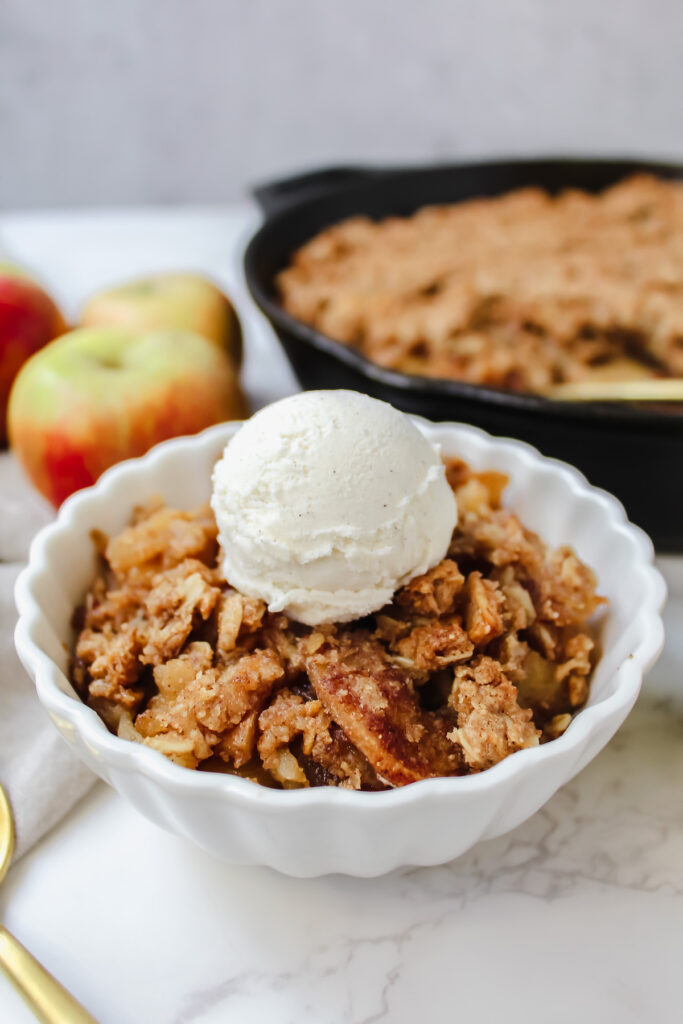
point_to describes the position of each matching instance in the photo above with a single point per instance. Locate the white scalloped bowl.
(315, 831)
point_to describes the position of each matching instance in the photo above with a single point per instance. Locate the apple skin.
(99, 395)
(186, 301)
(29, 319)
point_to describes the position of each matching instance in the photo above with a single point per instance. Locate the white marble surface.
(577, 915)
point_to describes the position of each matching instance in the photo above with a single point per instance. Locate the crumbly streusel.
(521, 291)
(485, 654)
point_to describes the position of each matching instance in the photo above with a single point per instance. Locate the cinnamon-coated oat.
(521, 291)
(485, 654)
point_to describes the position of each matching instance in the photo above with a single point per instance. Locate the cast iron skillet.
(635, 452)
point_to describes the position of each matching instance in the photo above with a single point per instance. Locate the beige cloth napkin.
(43, 778)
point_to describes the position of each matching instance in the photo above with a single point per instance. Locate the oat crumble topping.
(521, 291)
(485, 654)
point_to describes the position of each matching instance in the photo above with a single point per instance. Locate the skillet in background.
(634, 451)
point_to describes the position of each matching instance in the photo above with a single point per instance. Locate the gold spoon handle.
(51, 1003)
(659, 389)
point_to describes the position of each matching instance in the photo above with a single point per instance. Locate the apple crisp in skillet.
(522, 291)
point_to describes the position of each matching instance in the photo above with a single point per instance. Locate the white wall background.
(118, 101)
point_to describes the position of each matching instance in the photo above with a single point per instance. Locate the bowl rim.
(261, 291)
(122, 754)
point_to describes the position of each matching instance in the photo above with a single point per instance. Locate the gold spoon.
(51, 1003)
(652, 389)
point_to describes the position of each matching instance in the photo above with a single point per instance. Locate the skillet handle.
(274, 196)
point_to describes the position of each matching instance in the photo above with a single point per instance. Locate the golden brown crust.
(288, 717)
(436, 644)
(179, 599)
(375, 705)
(478, 657)
(324, 754)
(491, 724)
(435, 591)
(483, 611)
(161, 538)
(520, 291)
(204, 703)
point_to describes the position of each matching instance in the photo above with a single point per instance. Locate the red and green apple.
(28, 320)
(102, 394)
(174, 300)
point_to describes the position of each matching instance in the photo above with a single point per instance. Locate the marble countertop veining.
(576, 915)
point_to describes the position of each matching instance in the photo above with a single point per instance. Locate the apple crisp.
(484, 655)
(522, 291)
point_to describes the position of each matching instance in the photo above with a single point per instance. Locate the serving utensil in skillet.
(657, 389)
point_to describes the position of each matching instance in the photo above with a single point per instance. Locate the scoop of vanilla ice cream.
(327, 502)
